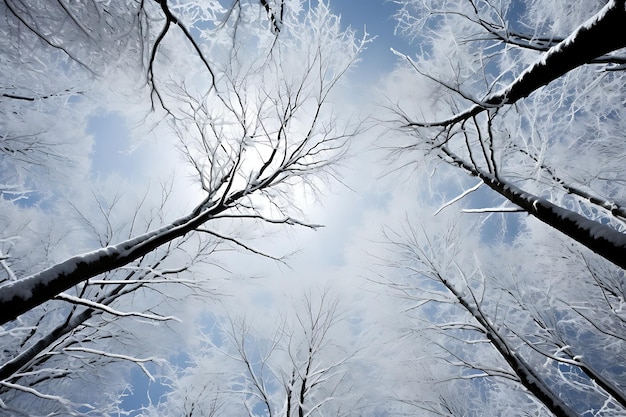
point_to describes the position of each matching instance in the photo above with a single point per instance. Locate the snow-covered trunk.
(17, 297)
(600, 238)
(290, 386)
(596, 37)
(304, 387)
(18, 363)
(526, 374)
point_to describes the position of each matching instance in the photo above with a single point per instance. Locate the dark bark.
(600, 238)
(526, 374)
(588, 43)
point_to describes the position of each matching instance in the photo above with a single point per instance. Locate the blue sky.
(112, 143)
(337, 256)
(376, 17)
(347, 214)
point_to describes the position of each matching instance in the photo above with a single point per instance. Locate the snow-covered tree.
(524, 97)
(241, 92)
(516, 332)
(293, 362)
(519, 101)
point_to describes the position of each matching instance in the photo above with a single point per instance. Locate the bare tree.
(504, 137)
(543, 344)
(252, 123)
(297, 368)
(255, 140)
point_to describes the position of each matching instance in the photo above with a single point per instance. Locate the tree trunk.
(600, 238)
(20, 296)
(526, 374)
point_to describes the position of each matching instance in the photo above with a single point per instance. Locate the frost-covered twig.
(285, 220)
(239, 243)
(39, 394)
(139, 361)
(107, 309)
(459, 197)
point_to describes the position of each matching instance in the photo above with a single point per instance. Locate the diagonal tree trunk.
(595, 38)
(600, 238)
(525, 372)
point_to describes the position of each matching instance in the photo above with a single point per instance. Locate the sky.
(342, 209)
(371, 202)
(352, 212)
(376, 18)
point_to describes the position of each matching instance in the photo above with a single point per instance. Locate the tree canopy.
(303, 208)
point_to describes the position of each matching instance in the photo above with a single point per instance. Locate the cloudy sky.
(342, 208)
(352, 212)
(373, 196)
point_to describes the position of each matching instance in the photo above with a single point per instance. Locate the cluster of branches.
(253, 123)
(296, 368)
(477, 139)
(532, 128)
(95, 328)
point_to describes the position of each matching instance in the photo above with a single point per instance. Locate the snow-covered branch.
(600, 238)
(65, 402)
(459, 197)
(107, 309)
(138, 361)
(494, 210)
(591, 40)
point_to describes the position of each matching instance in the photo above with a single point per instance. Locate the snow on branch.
(98, 306)
(459, 197)
(54, 371)
(138, 361)
(494, 210)
(36, 393)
